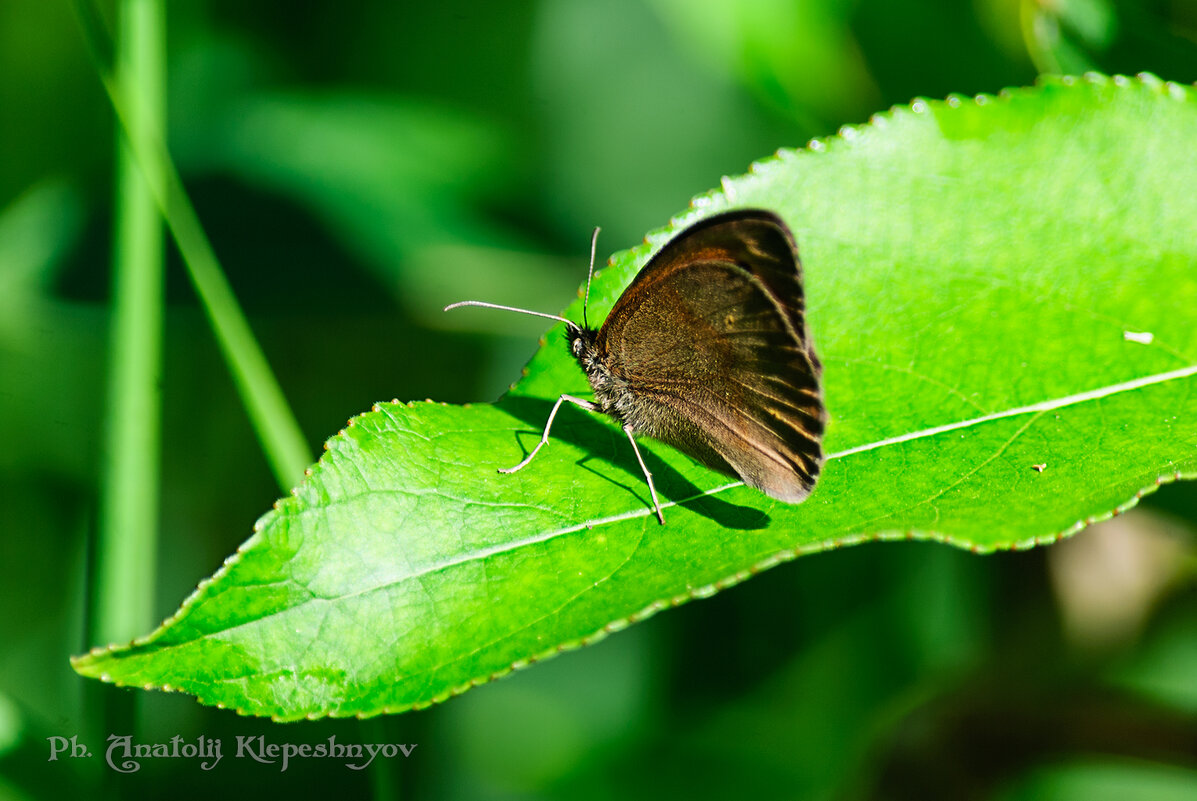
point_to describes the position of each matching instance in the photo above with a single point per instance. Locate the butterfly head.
(582, 343)
(583, 346)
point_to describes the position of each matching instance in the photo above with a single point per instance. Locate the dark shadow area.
(581, 429)
(966, 745)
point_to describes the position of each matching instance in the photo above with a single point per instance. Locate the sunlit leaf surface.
(1001, 368)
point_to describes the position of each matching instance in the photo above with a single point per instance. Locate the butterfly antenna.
(590, 275)
(486, 305)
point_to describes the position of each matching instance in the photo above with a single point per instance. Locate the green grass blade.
(126, 553)
(272, 419)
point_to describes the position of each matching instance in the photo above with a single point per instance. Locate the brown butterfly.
(708, 350)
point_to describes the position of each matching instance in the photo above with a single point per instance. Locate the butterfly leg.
(544, 439)
(647, 475)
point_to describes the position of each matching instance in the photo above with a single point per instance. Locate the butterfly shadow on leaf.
(604, 443)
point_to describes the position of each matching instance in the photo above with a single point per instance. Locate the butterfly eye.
(576, 347)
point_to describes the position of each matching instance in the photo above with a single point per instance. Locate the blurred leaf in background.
(359, 166)
(1072, 36)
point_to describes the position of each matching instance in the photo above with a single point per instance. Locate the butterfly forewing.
(711, 339)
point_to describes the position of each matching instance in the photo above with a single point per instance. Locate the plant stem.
(128, 526)
(274, 423)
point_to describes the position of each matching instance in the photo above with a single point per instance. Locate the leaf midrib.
(500, 548)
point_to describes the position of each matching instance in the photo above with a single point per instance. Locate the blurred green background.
(357, 166)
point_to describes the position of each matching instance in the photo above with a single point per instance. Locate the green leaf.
(983, 275)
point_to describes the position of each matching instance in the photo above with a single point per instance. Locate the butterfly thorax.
(610, 391)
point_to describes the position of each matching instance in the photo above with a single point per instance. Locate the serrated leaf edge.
(714, 200)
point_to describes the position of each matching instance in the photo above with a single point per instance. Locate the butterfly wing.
(711, 341)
